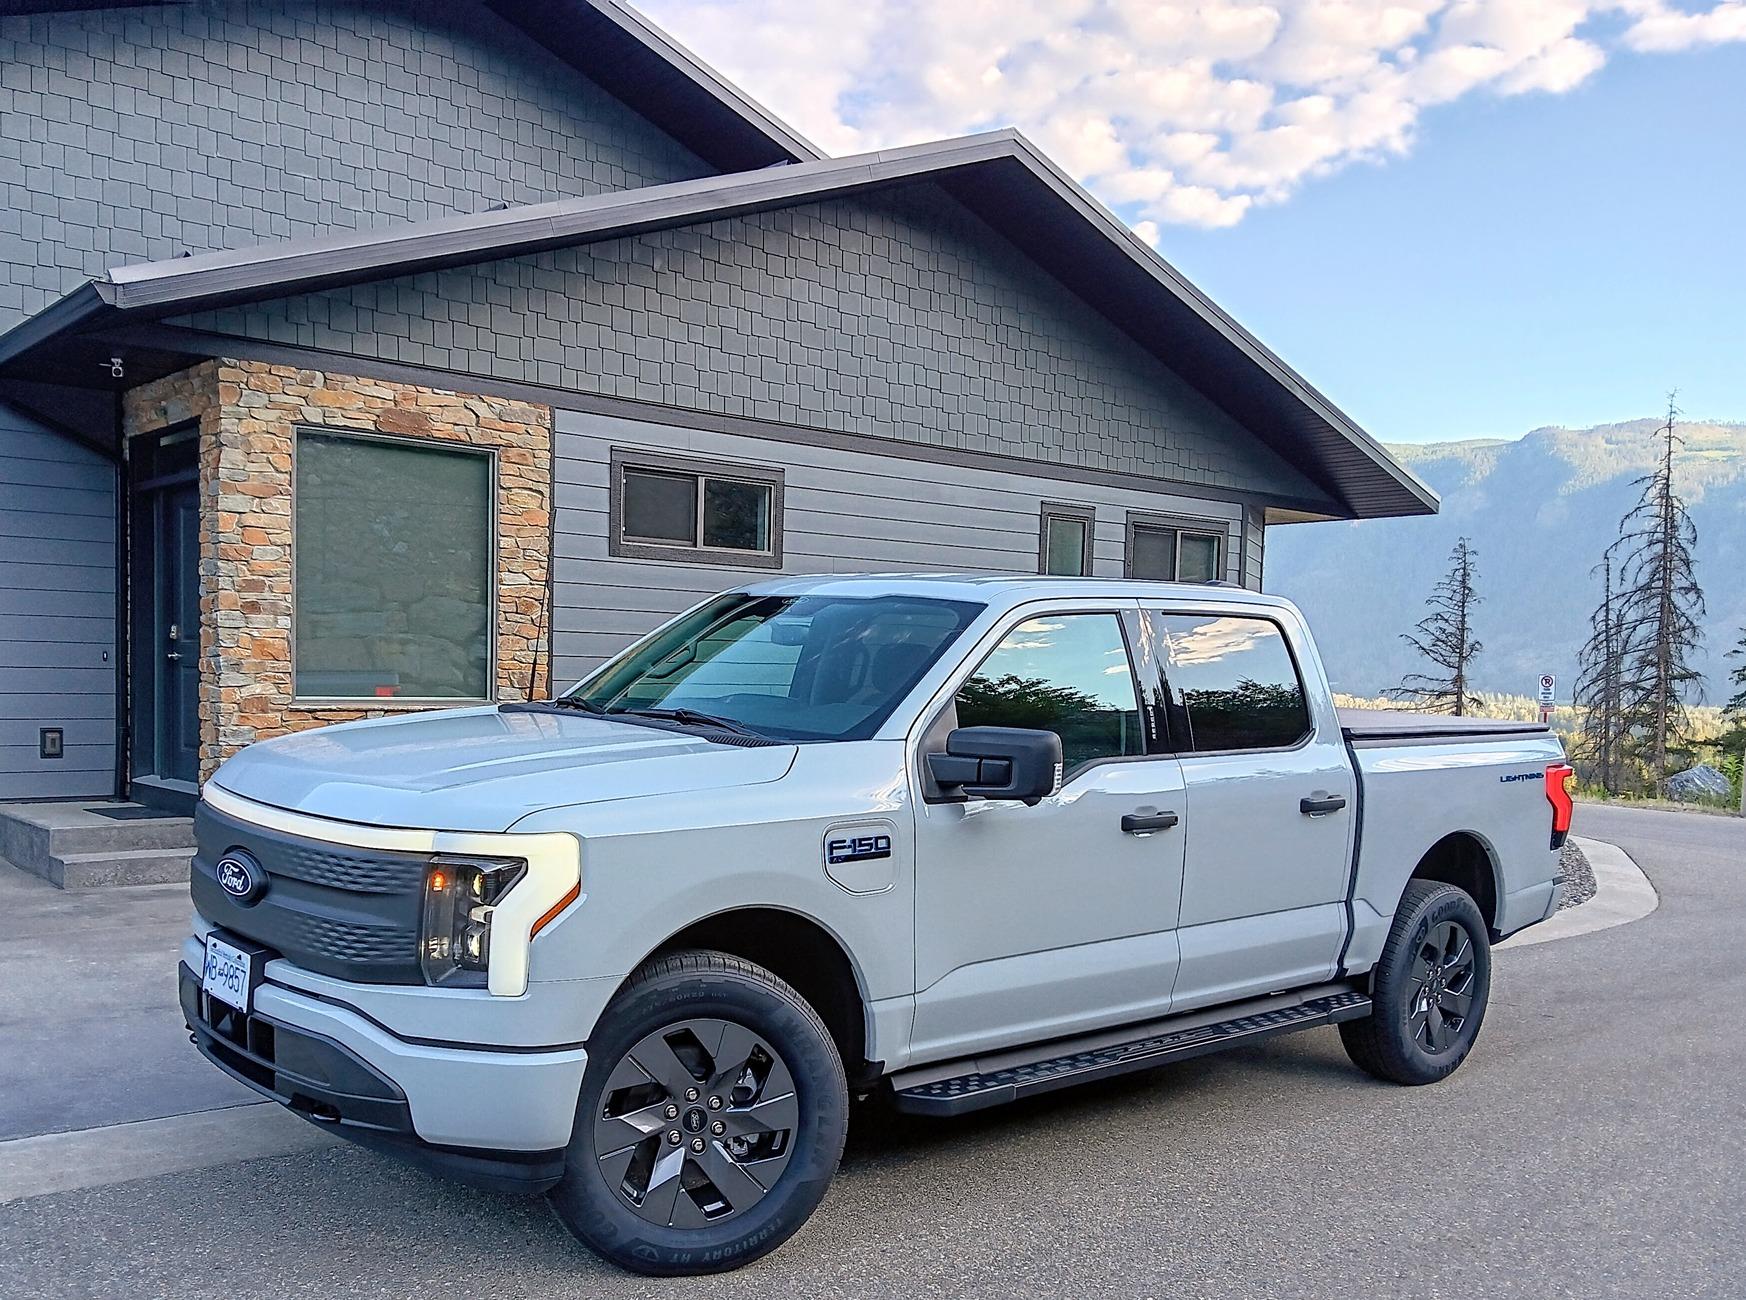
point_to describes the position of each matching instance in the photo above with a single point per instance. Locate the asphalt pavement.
(1594, 1145)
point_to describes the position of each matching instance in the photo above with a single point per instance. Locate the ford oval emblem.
(240, 876)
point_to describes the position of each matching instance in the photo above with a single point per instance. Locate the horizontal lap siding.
(57, 612)
(845, 511)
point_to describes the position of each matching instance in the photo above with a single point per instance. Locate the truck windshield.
(786, 667)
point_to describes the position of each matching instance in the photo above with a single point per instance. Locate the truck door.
(1037, 922)
(1269, 807)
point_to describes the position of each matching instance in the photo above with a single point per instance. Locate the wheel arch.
(806, 954)
(1465, 860)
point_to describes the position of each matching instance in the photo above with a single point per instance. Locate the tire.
(722, 1053)
(1429, 989)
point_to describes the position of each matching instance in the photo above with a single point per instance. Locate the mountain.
(1539, 510)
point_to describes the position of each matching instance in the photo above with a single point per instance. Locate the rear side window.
(1235, 680)
(1065, 673)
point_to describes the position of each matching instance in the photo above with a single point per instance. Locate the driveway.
(1592, 1146)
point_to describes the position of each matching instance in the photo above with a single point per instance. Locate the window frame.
(1050, 511)
(986, 646)
(1178, 723)
(492, 567)
(621, 546)
(1217, 529)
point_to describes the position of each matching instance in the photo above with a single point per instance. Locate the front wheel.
(712, 1115)
(1429, 989)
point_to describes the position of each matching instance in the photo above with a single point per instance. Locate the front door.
(178, 624)
(1038, 922)
(165, 598)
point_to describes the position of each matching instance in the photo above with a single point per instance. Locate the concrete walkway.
(1622, 893)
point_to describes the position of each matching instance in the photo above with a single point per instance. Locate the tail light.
(1560, 792)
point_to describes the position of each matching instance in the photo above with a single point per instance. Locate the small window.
(1165, 552)
(1065, 673)
(1065, 549)
(1236, 682)
(394, 562)
(669, 509)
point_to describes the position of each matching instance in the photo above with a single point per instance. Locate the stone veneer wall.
(247, 413)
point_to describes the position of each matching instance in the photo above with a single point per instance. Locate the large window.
(1064, 547)
(1161, 551)
(1066, 673)
(394, 568)
(785, 667)
(1236, 681)
(713, 514)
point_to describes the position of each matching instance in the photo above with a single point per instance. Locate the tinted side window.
(1065, 673)
(1236, 681)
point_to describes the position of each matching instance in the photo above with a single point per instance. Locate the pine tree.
(1660, 604)
(1600, 666)
(1735, 708)
(1445, 637)
(1733, 740)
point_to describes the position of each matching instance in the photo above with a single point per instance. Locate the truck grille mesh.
(350, 913)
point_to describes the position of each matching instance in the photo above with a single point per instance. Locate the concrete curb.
(122, 1153)
(1622, 893)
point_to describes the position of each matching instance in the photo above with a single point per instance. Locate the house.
(367, 357)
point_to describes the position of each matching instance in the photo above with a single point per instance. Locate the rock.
(1698, 782)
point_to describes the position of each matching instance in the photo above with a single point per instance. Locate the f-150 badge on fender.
(856, 848)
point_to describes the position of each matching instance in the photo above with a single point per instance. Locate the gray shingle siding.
(135, 134)
(57, 612)
(897, 313)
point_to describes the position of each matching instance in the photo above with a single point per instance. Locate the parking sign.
(1548, 688)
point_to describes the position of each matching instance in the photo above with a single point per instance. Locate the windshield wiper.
(694, 718)
(575, 702)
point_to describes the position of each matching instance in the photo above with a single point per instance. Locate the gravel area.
(1578, 876)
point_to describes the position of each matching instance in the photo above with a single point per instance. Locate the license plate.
(227, 973)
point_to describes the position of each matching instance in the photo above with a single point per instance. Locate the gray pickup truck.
(950, 840)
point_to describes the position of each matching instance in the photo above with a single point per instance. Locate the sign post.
(1548, 694)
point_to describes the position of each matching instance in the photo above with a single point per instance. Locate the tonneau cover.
(1397, 724)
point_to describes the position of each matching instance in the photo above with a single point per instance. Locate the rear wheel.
(1429, 989)
(711, 1119)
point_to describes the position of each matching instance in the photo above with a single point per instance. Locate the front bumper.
(498, 1118)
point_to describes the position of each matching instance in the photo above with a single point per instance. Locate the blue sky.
(1457, 218)
(1542, 259)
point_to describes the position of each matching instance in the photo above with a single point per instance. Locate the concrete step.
(129, 867)
(49, 839)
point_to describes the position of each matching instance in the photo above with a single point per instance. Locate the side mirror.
(998, 763)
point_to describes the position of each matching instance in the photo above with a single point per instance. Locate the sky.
(1456, 218)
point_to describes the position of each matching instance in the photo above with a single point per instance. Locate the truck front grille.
(350, 913)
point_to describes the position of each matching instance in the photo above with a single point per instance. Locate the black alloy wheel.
(697, 1123)
(712, 1115)
(1443, 1001)
(1428, 991)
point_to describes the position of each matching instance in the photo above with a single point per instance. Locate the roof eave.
(185, 284)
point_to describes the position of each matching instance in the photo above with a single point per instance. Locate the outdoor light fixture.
(460, 896)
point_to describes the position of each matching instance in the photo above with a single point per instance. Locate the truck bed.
(1398, 724)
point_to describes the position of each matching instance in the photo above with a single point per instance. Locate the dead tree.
(1445, 638)
(1660, 605)
(1600, 670)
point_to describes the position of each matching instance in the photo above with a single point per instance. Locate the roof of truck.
(1011, 589)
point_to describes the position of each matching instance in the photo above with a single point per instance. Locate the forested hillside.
(1539, 510)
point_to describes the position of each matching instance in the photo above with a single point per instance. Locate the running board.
(995, 1079)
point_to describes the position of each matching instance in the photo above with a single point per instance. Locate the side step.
(995, 1080)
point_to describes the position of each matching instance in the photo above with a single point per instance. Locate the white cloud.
(1172, 113)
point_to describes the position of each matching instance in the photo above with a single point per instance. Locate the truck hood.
(482, 770)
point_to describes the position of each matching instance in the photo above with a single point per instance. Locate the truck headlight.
(460, 895)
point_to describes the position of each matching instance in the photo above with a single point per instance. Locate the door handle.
(1321, 807)
(1146, 823)
(172, 654)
